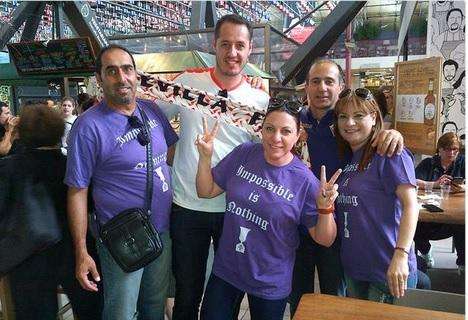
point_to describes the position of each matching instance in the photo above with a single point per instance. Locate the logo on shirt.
(132, 134)
(240, 247)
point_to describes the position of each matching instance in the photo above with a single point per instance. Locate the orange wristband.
(328, 210)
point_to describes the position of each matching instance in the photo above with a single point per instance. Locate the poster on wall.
(418, 103)
(446, 39)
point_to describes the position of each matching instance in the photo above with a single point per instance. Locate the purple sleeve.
(81, 156)
(224, 169)
(398, 170)
(169, 134)
(309, 215)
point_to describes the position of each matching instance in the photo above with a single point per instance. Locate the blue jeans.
(191, 232)
(219, 303)
(136, 295)
(374, 291)
(309, 255)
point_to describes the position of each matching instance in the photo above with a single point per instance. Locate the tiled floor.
(444, 276)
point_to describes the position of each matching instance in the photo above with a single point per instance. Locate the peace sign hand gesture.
(328, 190)
(204, 142)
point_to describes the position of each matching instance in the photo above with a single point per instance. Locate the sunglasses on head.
(362, 93)
(142, 136)
(293, 107)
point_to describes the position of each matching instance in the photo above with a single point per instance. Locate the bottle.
(429, 105)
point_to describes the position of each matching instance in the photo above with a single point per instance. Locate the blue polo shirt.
(321, 142)
(430, 169)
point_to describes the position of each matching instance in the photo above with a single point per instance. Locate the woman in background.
(446, 164)
(34, 281)
(68, 109)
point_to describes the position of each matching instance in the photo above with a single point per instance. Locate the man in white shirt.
(196, 222)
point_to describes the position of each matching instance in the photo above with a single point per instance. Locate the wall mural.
(446, 38)
(5, 95)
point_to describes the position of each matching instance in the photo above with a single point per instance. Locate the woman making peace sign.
(269, 193)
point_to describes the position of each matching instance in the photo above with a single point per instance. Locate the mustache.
(122, 86)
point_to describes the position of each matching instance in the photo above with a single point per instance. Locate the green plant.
(367, 31)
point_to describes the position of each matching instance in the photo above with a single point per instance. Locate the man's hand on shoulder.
(388, 142)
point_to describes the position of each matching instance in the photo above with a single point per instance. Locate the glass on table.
(445, 190)
(428, 186)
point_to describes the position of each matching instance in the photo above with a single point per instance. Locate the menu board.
(54, 56)
(418, 103)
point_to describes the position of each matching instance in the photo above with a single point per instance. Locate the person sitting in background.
(377, 208)
(269, 193)
(67, 107)
(34, 282)
(7, 129)
(381, 100)
(441, 169)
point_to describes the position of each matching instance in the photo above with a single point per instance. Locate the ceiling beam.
(32, 23)
(84, 21)
(320, 41)
(21, 13)
(406, 12)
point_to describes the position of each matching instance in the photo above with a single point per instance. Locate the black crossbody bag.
(130, 237)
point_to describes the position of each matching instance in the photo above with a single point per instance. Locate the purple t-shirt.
(369, 214)
(103, 149)
(265, 205)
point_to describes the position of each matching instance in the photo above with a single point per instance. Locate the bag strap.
(149, 163)
(149, 171)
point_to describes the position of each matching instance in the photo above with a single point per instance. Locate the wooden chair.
(62, 309)
(433, 300)
(7, 311)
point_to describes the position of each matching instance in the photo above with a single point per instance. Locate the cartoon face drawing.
(450, 70)
(449, 126)
(454, 20)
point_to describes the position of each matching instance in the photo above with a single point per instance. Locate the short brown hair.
(367, 106)
(108, 48)
(40, 126)
(73, 101)
(341, 75)
(235, 19)
(448, 140)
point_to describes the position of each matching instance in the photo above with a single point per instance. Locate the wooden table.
(454, 211)
(326, 307)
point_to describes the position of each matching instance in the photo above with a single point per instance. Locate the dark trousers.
(34, 286)
(310, 254)
(221, 298)
(436, 231)
(191, 232)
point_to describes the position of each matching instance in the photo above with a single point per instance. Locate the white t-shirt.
(185, 165)
(68, 124)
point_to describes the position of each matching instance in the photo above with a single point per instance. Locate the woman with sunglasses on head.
(269, 193)
(377, 208)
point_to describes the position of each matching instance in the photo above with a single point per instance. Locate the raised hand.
(256, 82)
(328, 190)
(11, 123)
(204, 142)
